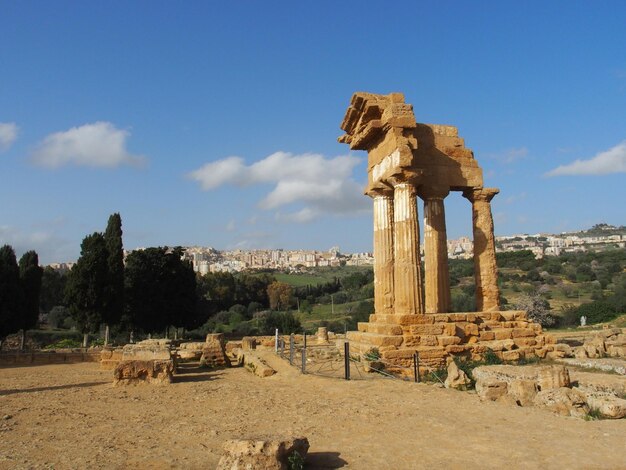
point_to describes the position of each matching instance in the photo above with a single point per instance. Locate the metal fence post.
(304, 335)
(276, 342)
(291, 345)
(416, 367)
(304, 359)
(346, 347)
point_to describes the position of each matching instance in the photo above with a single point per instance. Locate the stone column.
(383, 252)
(485, 269)
(407, 273)
(436, 274)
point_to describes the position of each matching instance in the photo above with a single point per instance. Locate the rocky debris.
(551, 387)
(263, 453)
(456, 377)
(610, 342)
(564, 401)
(157, 372)
(609, 405)
(256, 365)
(214, 351)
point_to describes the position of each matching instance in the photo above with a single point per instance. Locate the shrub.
(597, 312)
(64, 344)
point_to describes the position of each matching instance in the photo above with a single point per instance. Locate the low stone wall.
(58, 356)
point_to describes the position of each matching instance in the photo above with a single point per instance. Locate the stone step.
(375, 339)
(380, 328)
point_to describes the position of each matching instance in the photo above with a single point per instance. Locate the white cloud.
(603, 163)
(511, 155)
(515, 198)
(99, 144)
(8, 134)
(322, 185)
(50, 246)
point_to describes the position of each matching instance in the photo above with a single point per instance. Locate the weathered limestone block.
(147, 350)
(456, 377)
(523, 391)
(157, 372)
(448, 340)
(109, 358)
(563, 401)
(214, 351)
(550, 377)
(609, 405)
(595, 347)
(559, 350)
(248, 343)
(262, 453)
(190, 351)
(256, 365)
(491, 389)
(322, 335)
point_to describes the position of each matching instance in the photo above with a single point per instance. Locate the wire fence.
(339, 361)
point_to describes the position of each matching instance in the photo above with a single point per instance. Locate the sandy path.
(69, 416)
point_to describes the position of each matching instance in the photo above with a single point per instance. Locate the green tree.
(115, 263)
(160, 290)
(52, 289)
(279, 294)
(87, 289)
(10, 292)
(30, 280)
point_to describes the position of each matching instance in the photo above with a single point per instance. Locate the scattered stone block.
(133, 372)
(457, 378)
(609, 406)
(262, 453)
(523, 391)
(563, 401)
(256, 365)
(248, 343)
(550, 377)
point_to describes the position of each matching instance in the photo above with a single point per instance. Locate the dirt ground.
(70, 416)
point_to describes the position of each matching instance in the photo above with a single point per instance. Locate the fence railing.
(340, 362)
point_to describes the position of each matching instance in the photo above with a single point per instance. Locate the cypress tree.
(10, 292)
(115, 263)
(87, 289)
(30, 280)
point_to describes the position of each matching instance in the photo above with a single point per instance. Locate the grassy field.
(321, 312)
(318, 275)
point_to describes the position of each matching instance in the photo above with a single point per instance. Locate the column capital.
(480, 194)
(410, 177)
(380, 192)
(433, 192)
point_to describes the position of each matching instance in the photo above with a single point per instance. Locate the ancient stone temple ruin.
(407, 160)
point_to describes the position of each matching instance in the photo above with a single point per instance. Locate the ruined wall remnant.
(407, 160)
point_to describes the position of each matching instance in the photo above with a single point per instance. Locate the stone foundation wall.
(8, 359)
(437, 337)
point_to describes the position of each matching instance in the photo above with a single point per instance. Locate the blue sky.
(215, 123)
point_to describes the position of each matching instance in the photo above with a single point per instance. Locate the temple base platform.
(439, 337)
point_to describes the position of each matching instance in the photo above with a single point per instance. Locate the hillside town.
(208, 260)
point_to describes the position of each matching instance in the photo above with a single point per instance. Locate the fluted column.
(436, 274)
(407, 274)
(485, 269)
(383, 253)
